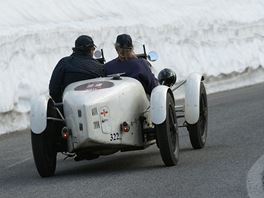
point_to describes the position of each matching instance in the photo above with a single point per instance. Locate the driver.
(128, 63)
(80, 65)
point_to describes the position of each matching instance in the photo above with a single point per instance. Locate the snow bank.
(221, 39)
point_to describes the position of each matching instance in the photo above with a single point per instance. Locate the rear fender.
(38, 114)
(192, 97)
(158, 101)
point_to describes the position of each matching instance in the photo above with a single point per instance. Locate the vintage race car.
(105, 115)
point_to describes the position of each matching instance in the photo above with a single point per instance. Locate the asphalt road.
(235, 142)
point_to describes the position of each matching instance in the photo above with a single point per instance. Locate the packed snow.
(223, 40)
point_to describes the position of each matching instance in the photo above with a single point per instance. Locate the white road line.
(12, 165)
(254, 179)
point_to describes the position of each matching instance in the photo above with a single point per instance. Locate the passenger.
(80, 65)
(128, 63)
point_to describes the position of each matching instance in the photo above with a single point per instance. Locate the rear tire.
(44, 151)
(168, 136)
(198, 131)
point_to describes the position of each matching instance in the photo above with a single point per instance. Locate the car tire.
(44, 152)
(168, 136)
(198, 131)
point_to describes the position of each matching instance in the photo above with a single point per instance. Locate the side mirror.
(152, 56)
(99, 55)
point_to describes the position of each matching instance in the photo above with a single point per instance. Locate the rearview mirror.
(152, 56)
(97, 54)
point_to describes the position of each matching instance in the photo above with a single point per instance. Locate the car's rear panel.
(95, 110)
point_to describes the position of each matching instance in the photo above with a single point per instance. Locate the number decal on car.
(114, 136)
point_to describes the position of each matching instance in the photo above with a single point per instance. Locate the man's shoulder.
(66, 59)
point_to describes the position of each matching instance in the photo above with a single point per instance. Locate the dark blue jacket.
(76, 67)
(135, 68)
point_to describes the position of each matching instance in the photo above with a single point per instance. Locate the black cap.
(124, 41)
(83, 43)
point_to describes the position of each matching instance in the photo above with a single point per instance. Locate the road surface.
(234, 144)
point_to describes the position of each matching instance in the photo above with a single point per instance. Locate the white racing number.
(114, 136)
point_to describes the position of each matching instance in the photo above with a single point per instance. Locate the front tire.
(198, 131)
(168, 136)
(44, 151)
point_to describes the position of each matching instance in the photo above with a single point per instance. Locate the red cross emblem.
(104, 112)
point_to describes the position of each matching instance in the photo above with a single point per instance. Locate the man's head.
(84, 43)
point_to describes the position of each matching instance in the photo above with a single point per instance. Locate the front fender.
(192, 97)
(38, 114)
(158, 106)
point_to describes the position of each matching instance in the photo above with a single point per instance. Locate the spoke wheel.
(44, 152)
(198, 131)
(168, 136)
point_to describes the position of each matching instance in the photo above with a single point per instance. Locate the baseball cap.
(83, 43)
(124, 41)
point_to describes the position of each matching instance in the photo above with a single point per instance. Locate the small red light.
(125, 127)
(65, 132)
(65, 135)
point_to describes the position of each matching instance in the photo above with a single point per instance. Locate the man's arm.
(55, 85)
